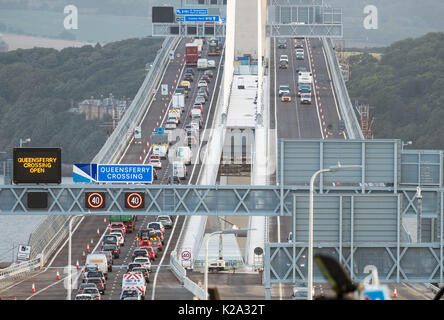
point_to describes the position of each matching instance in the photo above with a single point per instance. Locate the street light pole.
(227, 231)
(310, 223)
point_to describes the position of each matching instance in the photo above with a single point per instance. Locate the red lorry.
(191, 54)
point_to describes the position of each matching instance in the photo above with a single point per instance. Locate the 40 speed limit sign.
(135, 200)
(186, 255)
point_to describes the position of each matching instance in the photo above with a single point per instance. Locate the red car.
(118, 225)
(147, 245)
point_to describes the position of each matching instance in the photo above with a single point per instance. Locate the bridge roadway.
(167, 286)
(294, 120)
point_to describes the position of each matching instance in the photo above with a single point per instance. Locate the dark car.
(298, 44)
(144, 271)
(206, 78)
(140, 252)
(94, 274)
(181, 89)
(282, 44)
(188, 77)
(133, 265)
(84, 286)
(283, 65)
(209, 73)
(189, 70)
(115, 250)
(129, 294)
(99, 283)
(174, 180)
(110, 239)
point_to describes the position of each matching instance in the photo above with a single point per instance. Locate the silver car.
(166, 221)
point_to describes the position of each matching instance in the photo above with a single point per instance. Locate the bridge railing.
(181, 274)
(117, 142)
(351, 122)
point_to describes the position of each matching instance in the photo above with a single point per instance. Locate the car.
(117, 225)
(170, 125)
(152, 254)
(284, 57)
(144, 261)
(283, 65)
(160, 235)
(282, 44)
(130, 294)
(189, 70)
(301, 69)
(83, 286)
(173, 180)
(204, 90)
(111, 239)
(114, 249)
(94, 274)
(140, 252)
(133, 265)
(94, 292)
(206, 78)
(283, 89)
(209, 73)
(143, 270)
(202, 83)
(211, 64)
(84, 297)
(181, 90)
(298, 44)
(156, 225)
(144, 234)
(166, 221)
(300, 54)
(156, 243)
(155, 161)
(101, 286)
(286, 97)
(199, 100)
(188, 77)
(196, 106)
(186, 84)
(203, 93)
(119, 236)
(109, 258)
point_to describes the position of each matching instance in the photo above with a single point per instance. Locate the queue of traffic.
(149, 244)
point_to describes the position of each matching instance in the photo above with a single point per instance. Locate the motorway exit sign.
(201, 19)
(191, 12)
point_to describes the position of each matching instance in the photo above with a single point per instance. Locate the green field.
(92, 28)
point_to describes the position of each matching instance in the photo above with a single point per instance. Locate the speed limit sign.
(186, 255)
(94, 200)
(135, 200)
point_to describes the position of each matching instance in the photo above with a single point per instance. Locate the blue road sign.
(160, 130)
(142, 173)
(223, 19)
(84, 173)
(192, 12)
(94, 173)
(201, 18)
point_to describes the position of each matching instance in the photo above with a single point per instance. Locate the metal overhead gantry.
(286, 18)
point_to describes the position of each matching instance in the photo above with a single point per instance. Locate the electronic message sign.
(37, 165)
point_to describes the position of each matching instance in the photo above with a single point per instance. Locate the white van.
(179, 170)
(99, 260)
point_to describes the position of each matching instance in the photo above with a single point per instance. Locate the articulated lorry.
(191, 54)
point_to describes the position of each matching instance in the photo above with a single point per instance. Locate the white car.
(156, 226)
(156, 163)
(284, 57)
(211, 64)
(144, 261)
(119, 236)
(166, 221)
(202, 83)
(283, 89)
